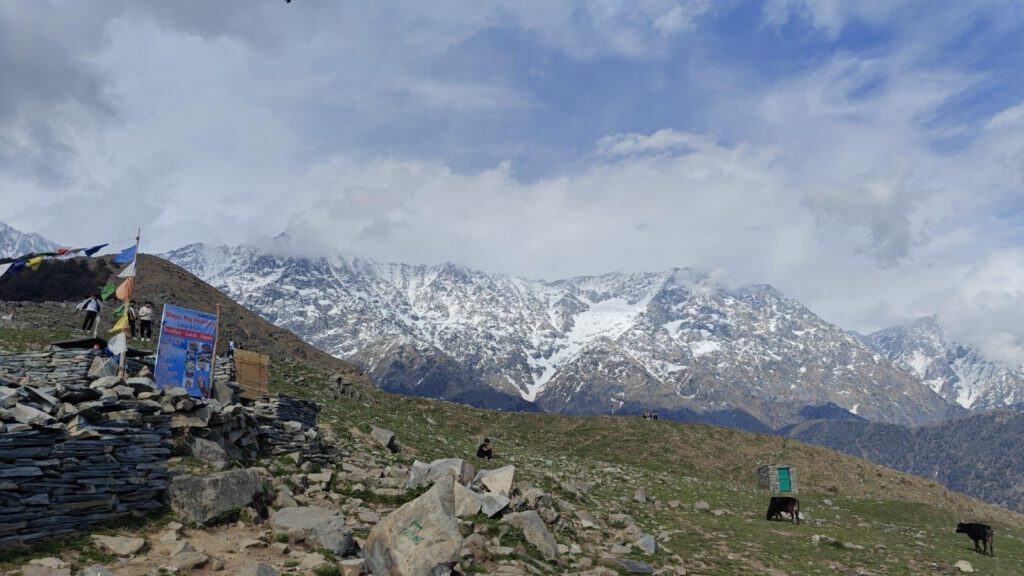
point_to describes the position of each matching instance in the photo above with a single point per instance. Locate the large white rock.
(498, 481)
(420, 538)
(492, 504)
(467, 502)
(422, 474)
(120, 545)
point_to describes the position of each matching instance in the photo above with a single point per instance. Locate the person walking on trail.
(92, 306)
(231, 348)
(146, 321)
(485, 450)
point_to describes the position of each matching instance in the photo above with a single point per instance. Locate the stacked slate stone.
(224, 371)
(227, 425)
(54, 366)
(77, 454)
(288, 425)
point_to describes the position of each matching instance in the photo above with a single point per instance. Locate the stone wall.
(54, 366)
(77, 450)
(72, 457)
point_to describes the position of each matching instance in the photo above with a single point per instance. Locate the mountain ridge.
(673, 340)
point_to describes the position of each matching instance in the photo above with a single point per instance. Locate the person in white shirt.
(92, 306)
(146, 321)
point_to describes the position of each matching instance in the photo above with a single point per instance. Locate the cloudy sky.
(865, 157)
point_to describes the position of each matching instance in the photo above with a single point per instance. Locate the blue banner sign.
(185, 354)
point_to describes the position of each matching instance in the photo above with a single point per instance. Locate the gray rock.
(498, 481)
(701, 506)
(385, 438)
(492, 504)
(120, 545)
(420, 538)
(260, 569)
(964, 566)
(318, 527)
(422, 474)
(647, 543)
(208, 451)
(535, 532)
(201, 499)
(467, 502)
(25, 414)
(640, 495)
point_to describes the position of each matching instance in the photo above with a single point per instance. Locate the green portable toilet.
(785, 480)
(778, 478)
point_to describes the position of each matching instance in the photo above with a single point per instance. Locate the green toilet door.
(785, 484)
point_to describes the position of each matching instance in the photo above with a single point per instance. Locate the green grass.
(871, 507)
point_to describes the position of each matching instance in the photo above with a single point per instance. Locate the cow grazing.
(979, 533)
(787, 504)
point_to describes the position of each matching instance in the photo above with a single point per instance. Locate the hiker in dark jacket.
(485, 450)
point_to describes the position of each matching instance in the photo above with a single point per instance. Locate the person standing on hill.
(132, 317)
(92, 306)
(146, 321)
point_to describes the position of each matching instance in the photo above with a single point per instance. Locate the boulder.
(120, 545)
(492, 504)
(260, 569)
(318, 527)
(385, 438)
(647, 543)
(422, 474)
(201, 499)
(467, 502)
(535, 532)
(208, 451)
(631, 566)
(46, 567)
(640, 495)
(420, 538)
(497, 481)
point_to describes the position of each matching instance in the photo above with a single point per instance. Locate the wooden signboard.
(251, 373)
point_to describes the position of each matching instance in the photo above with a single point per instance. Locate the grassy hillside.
(893, 523)
(45, 312)
(979, 454)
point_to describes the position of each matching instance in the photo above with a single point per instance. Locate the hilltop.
(41, 303)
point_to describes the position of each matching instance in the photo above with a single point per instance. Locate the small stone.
(120, 545)
(701, 506)
(964, 566)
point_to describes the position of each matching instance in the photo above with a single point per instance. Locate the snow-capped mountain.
(15, 243)
(671, 340)
(958, 373)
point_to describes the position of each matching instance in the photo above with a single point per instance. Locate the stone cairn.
(77, 450)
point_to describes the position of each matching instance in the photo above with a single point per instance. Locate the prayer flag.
(108, 291)
(128, 272)
(127, 255)
(34, 263)
(4, 267)
(94, 249)
(120, 309)
(118, 344)
(120, 325)
(124, 291)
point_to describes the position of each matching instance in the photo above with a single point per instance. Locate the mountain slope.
(13, 242)
(958, 373)
(614, 343)
(978, 455)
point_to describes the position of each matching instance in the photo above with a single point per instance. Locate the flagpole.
(128, 304)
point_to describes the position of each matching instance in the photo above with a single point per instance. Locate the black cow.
(787, 504)
(979, 533)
